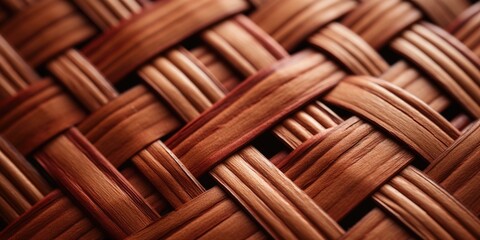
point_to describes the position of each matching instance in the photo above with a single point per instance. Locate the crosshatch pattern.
(236, 119)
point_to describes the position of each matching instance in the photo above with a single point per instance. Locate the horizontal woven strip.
(239, 119)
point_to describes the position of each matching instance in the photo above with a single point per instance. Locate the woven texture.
(236, 119)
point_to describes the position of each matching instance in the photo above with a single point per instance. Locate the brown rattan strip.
(220, 119)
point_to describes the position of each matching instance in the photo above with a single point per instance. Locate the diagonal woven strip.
(236, 119)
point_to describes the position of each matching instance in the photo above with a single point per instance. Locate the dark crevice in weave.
(207, 181)
(268, 144)
(419, 163)
(452, 111)
(388, 55)
(41, 171)
(356, 214)
(127, 82)
(343, 114)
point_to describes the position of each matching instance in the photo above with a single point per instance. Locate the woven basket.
(236, 119)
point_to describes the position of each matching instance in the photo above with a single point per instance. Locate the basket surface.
(236, 119)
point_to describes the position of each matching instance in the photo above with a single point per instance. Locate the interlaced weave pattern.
(236, 119)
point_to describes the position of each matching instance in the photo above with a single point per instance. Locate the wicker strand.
(181, 148)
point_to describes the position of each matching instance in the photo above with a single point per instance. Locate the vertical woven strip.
(236, 119)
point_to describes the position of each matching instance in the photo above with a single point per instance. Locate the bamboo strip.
(325, 155)
(114, 62)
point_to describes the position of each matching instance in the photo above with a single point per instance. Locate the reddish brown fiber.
(239, 119)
